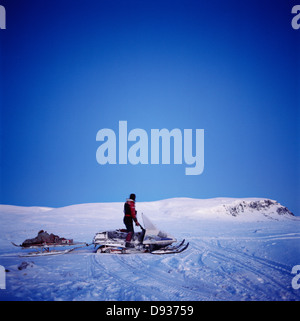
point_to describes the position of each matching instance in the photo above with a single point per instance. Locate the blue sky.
(71, 68)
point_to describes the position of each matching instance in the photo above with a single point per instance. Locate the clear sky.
(70, 68)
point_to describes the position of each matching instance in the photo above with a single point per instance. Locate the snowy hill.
(217, 208)
(240, 249)
(246, 209)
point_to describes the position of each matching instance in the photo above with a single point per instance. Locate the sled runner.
(150, 240)
(49, 249)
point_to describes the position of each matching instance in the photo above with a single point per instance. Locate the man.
(130, 216)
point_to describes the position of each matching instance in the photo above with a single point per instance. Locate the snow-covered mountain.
(246, 209)
(266, 207)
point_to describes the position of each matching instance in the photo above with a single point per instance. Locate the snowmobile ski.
(171, 250)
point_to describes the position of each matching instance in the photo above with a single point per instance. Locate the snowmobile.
(149, 240)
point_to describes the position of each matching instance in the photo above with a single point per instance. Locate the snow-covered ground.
(240, 249)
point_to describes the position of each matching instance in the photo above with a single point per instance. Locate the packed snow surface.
(240, 249)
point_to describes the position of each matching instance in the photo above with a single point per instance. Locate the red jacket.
(129, 209)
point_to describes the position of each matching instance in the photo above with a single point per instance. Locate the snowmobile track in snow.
(257, 275)
(118, 276)
(158, 283)
(268, 263)
(163, 279)
(209, 270)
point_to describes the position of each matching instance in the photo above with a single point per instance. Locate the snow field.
(229, 258)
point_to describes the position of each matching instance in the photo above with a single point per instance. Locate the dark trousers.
(128, 221)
